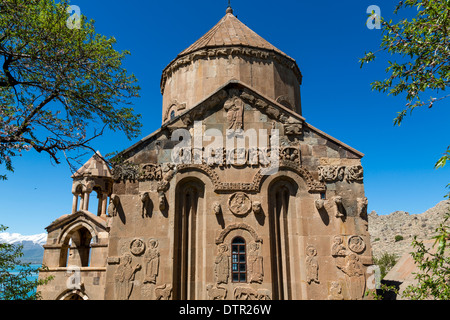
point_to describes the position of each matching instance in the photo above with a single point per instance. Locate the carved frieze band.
(255, 186)
(341, 173)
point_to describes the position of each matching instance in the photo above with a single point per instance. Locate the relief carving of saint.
(235, 116)
(356, 279)
(255, 264)
(222, 265)
(239, 204)
(124, 277)
(312, 264)
(151, 259)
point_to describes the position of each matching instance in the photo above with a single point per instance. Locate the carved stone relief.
(239, 204)
(335, 291)
(150, 172)
(356, 279)
(114, 202)
(151, 262)
(356, 244)
(248, 293)
(217, 208)
(341, 173)
(293, 129)
(145, 204)
(163, 292)
(222, 264)
(124, 277)
(348, 261)
(255, 264)
(162, 201)
(238, 226)
(257, 207)
(235, 112)
(137, 247)
(340, 210)
(216, 293)
(312, 265)
(254, 186)
(362, 204)
(337, 248)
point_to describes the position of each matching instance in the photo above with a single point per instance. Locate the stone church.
(235, 197)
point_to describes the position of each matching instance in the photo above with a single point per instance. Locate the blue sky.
(327, 38)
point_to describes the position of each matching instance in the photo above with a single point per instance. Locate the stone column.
(75, 203)
(81, 201)
(86, 201)
(104, 205)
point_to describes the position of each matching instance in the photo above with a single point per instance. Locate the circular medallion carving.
(356, 244)
(137, 247)
(239, 204)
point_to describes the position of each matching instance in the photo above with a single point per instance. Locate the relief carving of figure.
(312, 265)
(145, 199)
(217, 208)
(335, 291)
(338, 249)
(113, 203)
(255, 264)
(356, 279)
(235, 113)
(356, 244)
(222, 265)
(239, 204)
(151, 259)
(124, 277)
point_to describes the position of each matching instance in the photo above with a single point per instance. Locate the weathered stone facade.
(197, 215)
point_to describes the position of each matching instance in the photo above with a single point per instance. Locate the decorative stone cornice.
(230, 51)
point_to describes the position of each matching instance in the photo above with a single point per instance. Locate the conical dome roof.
(230, 31)
(229, 51)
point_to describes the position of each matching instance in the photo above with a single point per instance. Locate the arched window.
(239, 260)
(187, 205)
(76, 248)
(280, 194)
(172, 115)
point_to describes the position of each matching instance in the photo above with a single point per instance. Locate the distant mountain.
(33, 252)
(394, 233)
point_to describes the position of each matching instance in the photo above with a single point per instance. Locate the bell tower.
(94, 175)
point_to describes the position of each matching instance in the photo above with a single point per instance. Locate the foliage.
(434, 267)
(16, 285)
(60, 87)
(398, 238)
(386, 262)
(422, 46)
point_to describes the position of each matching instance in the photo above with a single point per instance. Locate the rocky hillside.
(401, 225)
